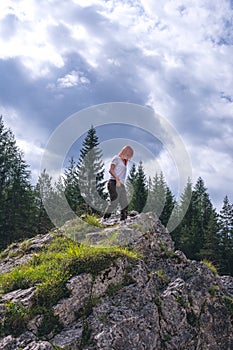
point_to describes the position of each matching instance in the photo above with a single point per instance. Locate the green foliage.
(63, 258)
(93, 220)
(139, 195)
(168, 207)
(226, 237)
(17, 207)
(211, 266)
(130, 181)
(113, 288)
(86, 335)
(77, 229)
(72, 191)
(50, 323)
(162, 276)
(49, 270)
(229, 304)
(43, 193)
(87, 308)
(202, 233)
(55, 347)
(15, 319)
(156, 194)
(213, 290)
(90, 172)
(181, 301)
(192, 318)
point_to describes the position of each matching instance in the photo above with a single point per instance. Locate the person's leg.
(113, 199)
(123, 202)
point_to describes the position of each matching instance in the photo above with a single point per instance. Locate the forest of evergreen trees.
(202, 233)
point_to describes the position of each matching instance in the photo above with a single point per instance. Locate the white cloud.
(72, 79)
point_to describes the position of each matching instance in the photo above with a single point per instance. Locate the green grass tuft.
(58, 262)
(211, 266)
(93, 220)
(49, 270)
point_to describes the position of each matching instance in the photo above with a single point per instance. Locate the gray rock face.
(161, 301)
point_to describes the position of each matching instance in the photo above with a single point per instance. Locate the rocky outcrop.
(161, 300)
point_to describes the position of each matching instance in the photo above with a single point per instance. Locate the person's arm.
(112, 172)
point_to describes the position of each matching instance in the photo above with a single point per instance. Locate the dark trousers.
(117, 195)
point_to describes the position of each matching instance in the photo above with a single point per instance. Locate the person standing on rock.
(116, 187)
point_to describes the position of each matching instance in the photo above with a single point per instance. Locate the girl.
(116, 187)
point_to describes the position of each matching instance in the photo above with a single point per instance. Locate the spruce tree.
(196, 215)
(173, 223)
(210, 250)
(72, 191)
(91, 173)
(43, 192)
(159, 189)
(61, 210)
(186, 213)
(226, 236)
(202, 211)
(184, 216)
(168, 207)
(149, 203)
(130, 181)
(17, 209)
(139, 196)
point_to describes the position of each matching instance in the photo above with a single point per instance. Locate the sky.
(58, 58)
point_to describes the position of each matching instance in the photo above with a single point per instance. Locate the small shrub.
(50, 323)
(229, 304)
(87, 308)
(181, 301)
(102, 318)
(47, 295)
(15, 320)
(158, 302)
(211, 266)
(86, 335)
(167, 337)
(56, 347)
(93, 220)
(162, 276)
(192, 319)
(113, 288)
(213, 290)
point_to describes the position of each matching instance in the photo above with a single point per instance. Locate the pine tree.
(202, 211)
(72, 191)
(43, 191)
(159, 189)
(91, 173)
(130, 181)
(17, 209)
(61, 210)
(168, 207)
(196, 215)
(139, 196)
(186, 212)
(226, 236)
(210, 250)
(149, 203)
(184, 216)
(173, 223)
